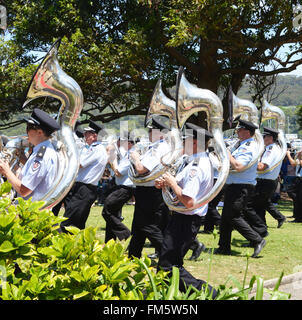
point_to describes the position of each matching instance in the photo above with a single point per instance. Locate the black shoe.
(222, 251)
(295, 221)
(153, 256)
(258, 248)
(197, 251)
(280, 223)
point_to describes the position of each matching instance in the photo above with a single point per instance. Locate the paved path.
(289, 284)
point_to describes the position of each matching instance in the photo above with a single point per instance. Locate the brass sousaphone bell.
(161, 105)
(247, 110)
(50, 80)
(189, 100)
(272, 112)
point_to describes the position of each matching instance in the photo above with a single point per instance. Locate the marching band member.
(40, 169)
(192, 182)
(267, 182)
(297, 186)
(121, 193)
(239, 190)
(150, 211)
(93, 160)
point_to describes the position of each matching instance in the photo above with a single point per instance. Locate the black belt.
(240, 184)
(90, 186)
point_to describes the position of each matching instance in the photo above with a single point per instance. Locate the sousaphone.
(50, 80)
(189, 100)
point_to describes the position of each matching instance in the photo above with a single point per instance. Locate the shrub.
(37, 262)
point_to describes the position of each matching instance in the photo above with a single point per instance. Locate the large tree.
(116, 50)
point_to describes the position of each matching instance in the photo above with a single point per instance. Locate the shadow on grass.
(240, 243)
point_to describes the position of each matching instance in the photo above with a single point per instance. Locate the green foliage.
(42, 264)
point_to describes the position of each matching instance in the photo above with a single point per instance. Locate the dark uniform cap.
(270, 132)
(197, 131)
(79, 132)
(43, 120)
(246, 125)
(93, 126)
(157, 123)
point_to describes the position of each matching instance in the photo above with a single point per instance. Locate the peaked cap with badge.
(270, 132)
(78, 130)
(43, 120)
(94, 127)
(247, 125)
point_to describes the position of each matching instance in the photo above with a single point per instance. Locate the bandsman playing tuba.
(40, 169)
(150, 212)
(267, 182)
(122, 191)
(238, 193)
(93, 160)
(192, 182)
(297, 185)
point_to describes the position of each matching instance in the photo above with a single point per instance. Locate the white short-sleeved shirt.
(270, 154)
(152, 157)
(93, 160)
(244, 155)
(196, 180)
(122, 168)
(40, 170)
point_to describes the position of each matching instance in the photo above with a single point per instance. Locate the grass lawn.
(283, 251)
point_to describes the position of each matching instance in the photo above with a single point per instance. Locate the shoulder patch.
(36, 164)
(248, 143)
(270, 148)
(193, 173)
(196, 162)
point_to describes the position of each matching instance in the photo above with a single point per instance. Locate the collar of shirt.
(270, 145)
(197, 155)
(96, 143)
(247, 140)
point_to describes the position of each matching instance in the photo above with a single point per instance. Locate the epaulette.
(196, 162)
(41, 152)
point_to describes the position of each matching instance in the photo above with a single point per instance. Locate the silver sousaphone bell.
(189, 100)
(161, 105)
(50, 80)
(272, 112)
(247, 110)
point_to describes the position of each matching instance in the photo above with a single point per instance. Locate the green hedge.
(37, 262)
